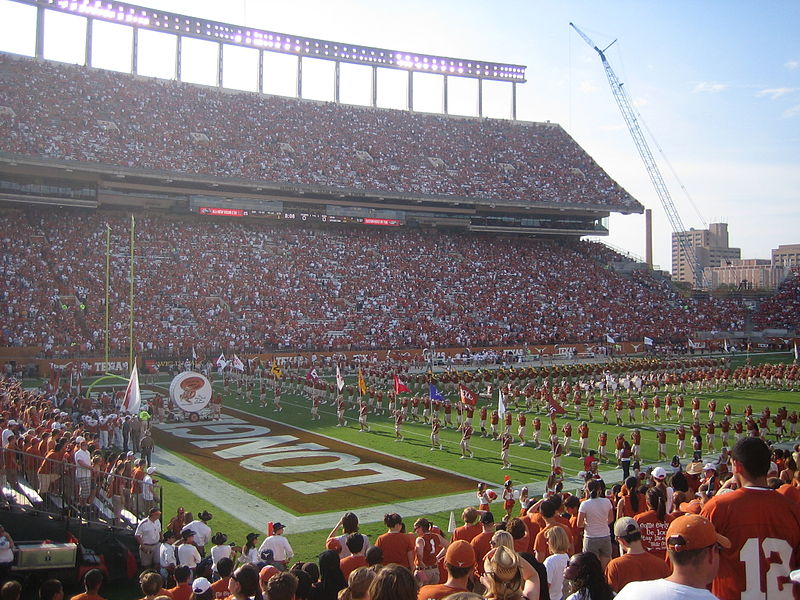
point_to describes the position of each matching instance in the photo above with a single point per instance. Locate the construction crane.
(629, 114)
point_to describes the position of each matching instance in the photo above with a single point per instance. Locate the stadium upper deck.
(69, 113)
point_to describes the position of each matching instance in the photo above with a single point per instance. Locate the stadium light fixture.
(157, 20)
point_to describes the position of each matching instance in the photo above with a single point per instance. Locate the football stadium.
(241, 328)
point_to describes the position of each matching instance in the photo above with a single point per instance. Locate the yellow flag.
(362, 385)
(276, 370)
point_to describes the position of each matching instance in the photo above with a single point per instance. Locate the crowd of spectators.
(112, 118)
(70, 449)
(262, 286)
(781, 311)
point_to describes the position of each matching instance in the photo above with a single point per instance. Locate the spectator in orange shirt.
(152, 585)
(183, 589)
(481, 543)
(398, 547)
(355, 544)
(470, 528)
(224, 570)
(92, 582)
(459, 560)
(635, 563)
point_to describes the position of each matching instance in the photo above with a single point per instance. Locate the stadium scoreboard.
(280, 211)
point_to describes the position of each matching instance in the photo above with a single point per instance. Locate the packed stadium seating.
(66, 112)
(214, 283)
(781, 311)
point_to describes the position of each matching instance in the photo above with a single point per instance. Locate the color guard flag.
(467, 395)
(648, 341)
(339, 379)
(434, 394)
(399, 386)
(133, 396)
(796, 354)
(501, 402)
(610, 339)
(237, 363)
(221, 362)
(194, 354)
(276, 370)
(362, 385)
(725, 345)
(555, 407)
(312, 375)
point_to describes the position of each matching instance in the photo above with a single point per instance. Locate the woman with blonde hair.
(503, 578)
(358, 584)
(558, 543)
(530, 578)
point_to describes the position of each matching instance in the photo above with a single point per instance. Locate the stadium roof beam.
(140, 17)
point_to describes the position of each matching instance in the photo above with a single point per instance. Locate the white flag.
(451, 525)
(610, 339)
(237, 363)
(648, 341)
(796, 353)
(194, 354)
(133, 396)
(221, 362)
(501, 402)
(725, 345)
(339, 379)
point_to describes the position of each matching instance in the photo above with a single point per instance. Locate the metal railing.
(62, 489)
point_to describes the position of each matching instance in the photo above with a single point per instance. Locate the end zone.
(303, 472)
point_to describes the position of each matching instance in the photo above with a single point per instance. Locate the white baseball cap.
(659, 473)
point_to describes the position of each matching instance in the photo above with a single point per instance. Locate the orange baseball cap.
(460, 554)
(692, 532)
(267, 572)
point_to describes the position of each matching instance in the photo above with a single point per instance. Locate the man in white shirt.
(281, 549)
(202, 532)
(167, 558)
(147, 535)
(187, 552)
(83, 472)
(147, 488)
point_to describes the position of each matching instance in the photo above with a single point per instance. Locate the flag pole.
(108, 281)
(130, 332)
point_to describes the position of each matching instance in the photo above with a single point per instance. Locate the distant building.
(746, 274)
(709, 246)
(787, 255)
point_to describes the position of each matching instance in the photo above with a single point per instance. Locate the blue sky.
(717, 83)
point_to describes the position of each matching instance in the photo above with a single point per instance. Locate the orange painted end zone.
(302, 471)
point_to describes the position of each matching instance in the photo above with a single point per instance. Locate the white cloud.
(710, 87)
(775, 93)
(791, 112)
(587, 87)
(792, 64)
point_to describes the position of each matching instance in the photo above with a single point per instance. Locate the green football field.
(529, 464)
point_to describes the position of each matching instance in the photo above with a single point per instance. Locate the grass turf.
(529, 464)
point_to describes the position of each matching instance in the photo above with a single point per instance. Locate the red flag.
(399, 386)
(555, 407)
(467, 395)
(312, 375)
